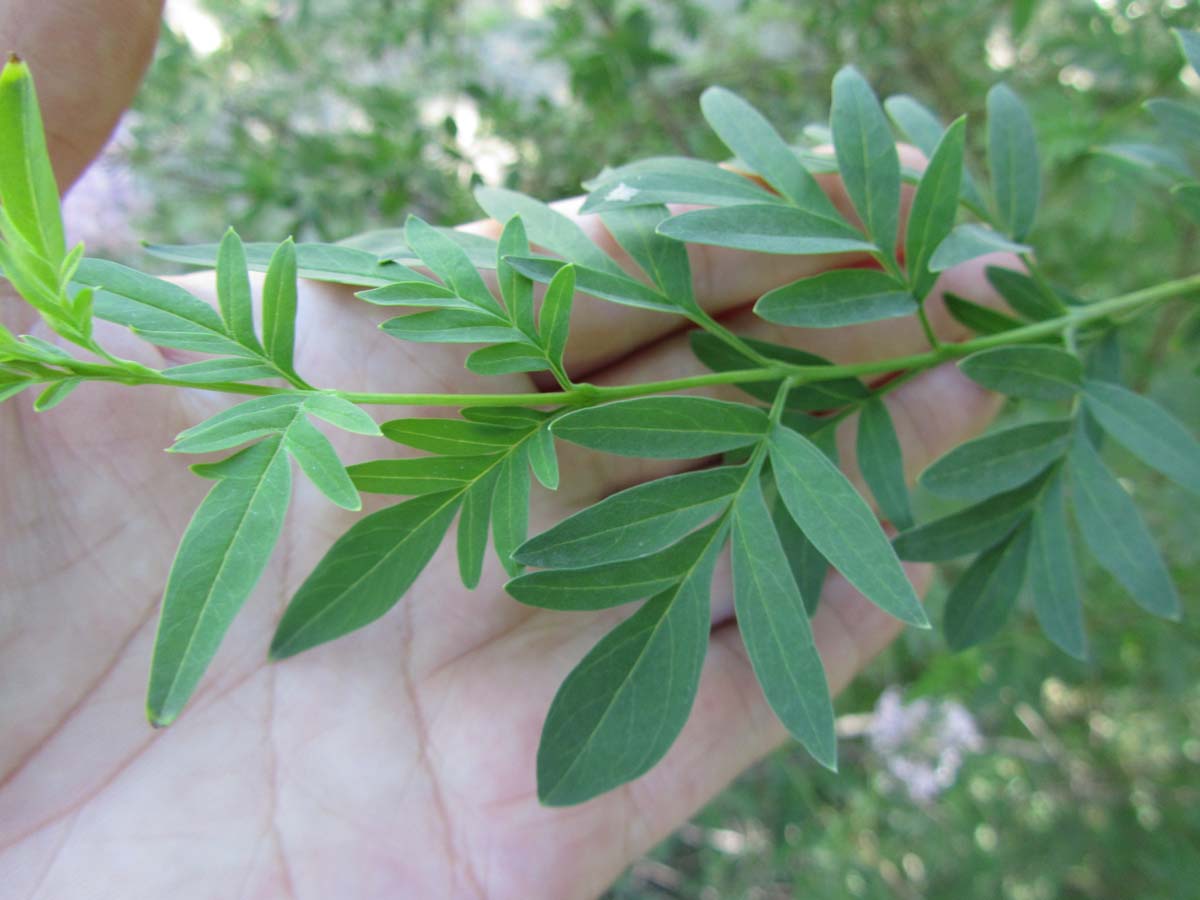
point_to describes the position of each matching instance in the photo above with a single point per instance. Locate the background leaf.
(1013, 161)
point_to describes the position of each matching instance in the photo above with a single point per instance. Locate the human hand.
(398, 760)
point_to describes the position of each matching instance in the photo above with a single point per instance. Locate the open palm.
(395, 762)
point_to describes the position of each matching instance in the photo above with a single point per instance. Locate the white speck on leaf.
(621, 193)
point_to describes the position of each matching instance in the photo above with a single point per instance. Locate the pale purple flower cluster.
(923, 743)
(102, 206)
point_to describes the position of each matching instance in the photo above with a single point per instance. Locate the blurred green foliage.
(324, 119)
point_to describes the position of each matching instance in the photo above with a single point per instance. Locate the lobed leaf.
(840, 524)
(664, 427)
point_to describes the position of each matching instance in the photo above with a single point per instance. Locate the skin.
(398, 761)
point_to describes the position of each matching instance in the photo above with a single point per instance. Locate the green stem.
(583, 395)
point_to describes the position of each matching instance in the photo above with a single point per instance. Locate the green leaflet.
(998, 461)
(866, 155)
(969, 530)
(319, 461)
(984, 595)
(1146, 430)
(320, 262)
(1115, 534)
(220, 559)
(238, 424)
(510, 508)
(415, 293)
(233, 291)
(546, 227)
(612, 584)
(543, 459)
(504, 359)
(451, 326)
(774, 626)
(1053, 580)
(1189, 42)
(55, 394)
(662, 180)
(751, 138)
(765, 228)
(554, 321)
(390, 244)
(342, 413)
(279, 306)
(1024, 294)
(27, 186)
(449, 262)
(967, 242)
(452, 437)
(805, 562)
(663, 260)
(881, 461)
(1103, 364)
(923, 129)
(980, 319)
(836, 298)
(822, 395)
(840, 524)
(1013, 161)
(622, 707)
(422, 475)
(215, 371)
(635, 522)
(934, 208)
(508, 416)
(614, 288)
(473, 525)
(157, 310)
(10, 389)
(516, 289)
(366, 571)
(1035, 373)
(663, 427)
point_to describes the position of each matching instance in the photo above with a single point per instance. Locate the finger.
(88, 59)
